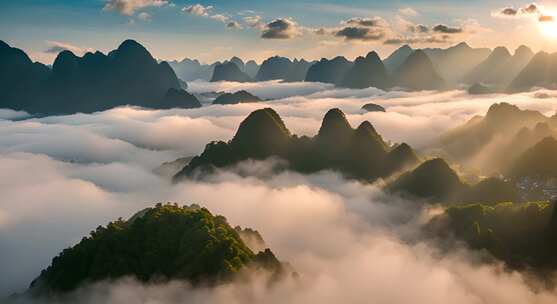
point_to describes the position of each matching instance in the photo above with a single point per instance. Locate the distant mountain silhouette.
(250, 68)
(502, 120)
(541, 71)
(192, 69)
(500, 67)
(418, 73)
(360, 153)
(372, 107)
(480, 89)
(229, 71)
(189, 70)
(366, 72)
(329, 71)
(538, 162)
(178, 99)
(453, 63)
(282, 68)
(435, 181)
(128, 75)
(397, 58)
(235, 98)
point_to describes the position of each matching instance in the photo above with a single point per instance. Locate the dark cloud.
(233, 25)
(526, 11)
(282, 28)
(441, 28)
(365, 22)
(509, 11)
(367, 29)
(418, 28)
(360, 33)
(530, 9)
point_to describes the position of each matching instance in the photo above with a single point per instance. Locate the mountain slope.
(417, 73)
(366, 72)
(328, 71)
(541, 71)
(128, 75)
(360, 154)
(229, 71)
(166, 242)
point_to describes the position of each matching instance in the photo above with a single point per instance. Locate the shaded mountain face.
(372, 107)
(433, 179)
(229, 72)
(178, 99)
(250, 68)
(277, 67)
(453, 63)
(360, 154)
(366, 72)
(329, 71)
(397, 58)
(480, 89)
(128, 75)
(541, 71)
(521, 235)
(417, 73)
(502, 121)
(436, 182)
(235, 98)
(197, 246)
(500, 67)
(19, 77)
(539, 162)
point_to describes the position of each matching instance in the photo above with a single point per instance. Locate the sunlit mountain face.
(157, 151)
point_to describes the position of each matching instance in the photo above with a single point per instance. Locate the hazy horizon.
(211, 31)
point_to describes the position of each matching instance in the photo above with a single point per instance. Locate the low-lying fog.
(63, 176)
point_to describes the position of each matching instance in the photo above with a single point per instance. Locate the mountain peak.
(133, 50)
(129, 44)
(334, 124)
(261, 134)
(462, 45)
(229, 71)
(523, 51)
(366, 126)
(501, 51)
(373, 56)
(64, 62)
(501, 109)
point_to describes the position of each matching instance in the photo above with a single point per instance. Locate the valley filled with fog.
(349, 241)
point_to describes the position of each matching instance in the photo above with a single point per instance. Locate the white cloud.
(144, 16)
(56, 47)
(62, 176)
(128, 7)
(408, 11)
(254, 22)
(198, 10)
(219, 17)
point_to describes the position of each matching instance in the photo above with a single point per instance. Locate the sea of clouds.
(62, 176)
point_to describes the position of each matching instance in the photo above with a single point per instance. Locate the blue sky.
(171, 31)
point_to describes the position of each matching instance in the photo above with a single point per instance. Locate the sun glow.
(549, 27)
